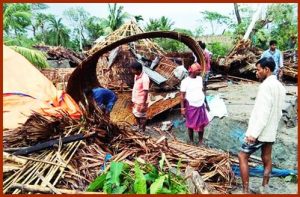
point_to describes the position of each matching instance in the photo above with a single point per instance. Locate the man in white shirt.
(263, 123)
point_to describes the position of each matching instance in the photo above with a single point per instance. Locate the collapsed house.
(113, 71)
(60, 57)
(242, 58)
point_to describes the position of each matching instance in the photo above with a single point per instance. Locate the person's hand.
(182, 111)
(250, 139)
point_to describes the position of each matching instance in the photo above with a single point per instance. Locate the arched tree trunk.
(84, 76)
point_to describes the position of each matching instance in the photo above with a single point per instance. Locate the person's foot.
(199, 144)
(189, 142)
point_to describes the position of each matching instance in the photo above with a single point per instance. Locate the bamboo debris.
(242, 58)
(75, 165)
(46, 190)
(60, 53)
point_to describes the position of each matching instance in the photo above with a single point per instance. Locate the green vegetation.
(26, 24)
(142, 179)
(35, 57)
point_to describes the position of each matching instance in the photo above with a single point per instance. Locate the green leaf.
(35, 57)
(178, 167)
(157, 186)
(291, 178)
(140, 186)
(165, 191)
(119, 190)
(152, 174)
(98, 183)
(107, 188)
(116, 169)
(161, 161)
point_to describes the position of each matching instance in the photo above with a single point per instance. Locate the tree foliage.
(283, 23)
(37, 58)
(116, 16)
(16, 17)
(215, 18)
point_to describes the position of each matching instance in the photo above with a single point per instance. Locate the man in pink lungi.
(192, 103)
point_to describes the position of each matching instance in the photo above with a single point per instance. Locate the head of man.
(272, 45)
(136, 68)
(202, 45)
(265, 67)
(194, 70)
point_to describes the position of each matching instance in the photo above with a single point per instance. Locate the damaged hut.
(113, 71)
(63, 155)
(241, 60)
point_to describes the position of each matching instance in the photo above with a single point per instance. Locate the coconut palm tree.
(58, 33)
(161, 24)
(116, 16)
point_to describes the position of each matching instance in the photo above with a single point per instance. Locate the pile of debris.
(241, 61)
(60, 57)
(72, 164)
(290, 62)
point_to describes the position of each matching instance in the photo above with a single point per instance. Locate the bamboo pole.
(40, 189)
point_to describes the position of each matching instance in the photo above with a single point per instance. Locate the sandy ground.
(225, 133)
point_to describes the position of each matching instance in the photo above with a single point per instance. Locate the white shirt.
(267, 111)
(193, 89)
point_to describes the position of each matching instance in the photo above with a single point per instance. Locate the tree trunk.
(33, 30)
(237, 13)
(212, 28)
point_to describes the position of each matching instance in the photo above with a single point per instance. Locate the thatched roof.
(128, 29)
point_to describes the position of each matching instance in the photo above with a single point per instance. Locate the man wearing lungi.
(140, 95)
(192, 103)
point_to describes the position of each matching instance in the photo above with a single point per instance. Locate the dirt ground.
(227, 133)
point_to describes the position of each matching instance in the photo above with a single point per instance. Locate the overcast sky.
(184, 15)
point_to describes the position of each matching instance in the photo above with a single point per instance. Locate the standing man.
(277, 57)
(140, 95)
(104, 98)
(263, 123)
(193, 103)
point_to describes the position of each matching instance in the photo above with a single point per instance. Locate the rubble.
(60, 56)
(73, 166)
(243, 57)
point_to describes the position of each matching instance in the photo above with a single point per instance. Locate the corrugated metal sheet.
(154, 76)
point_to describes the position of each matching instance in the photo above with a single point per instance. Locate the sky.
(184, 15)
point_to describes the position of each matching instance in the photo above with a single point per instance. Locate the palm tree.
(16, 17)
(162, 24)
(116, 16)
(165, 23)
(58, 33)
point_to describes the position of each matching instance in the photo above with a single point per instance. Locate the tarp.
(26, 89)
(258, 171)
